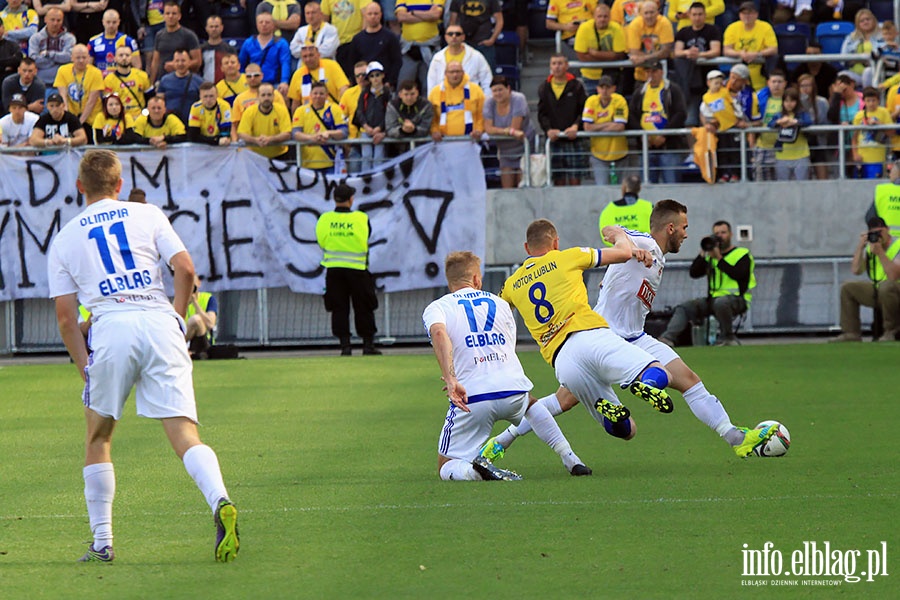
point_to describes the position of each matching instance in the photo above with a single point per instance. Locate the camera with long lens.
(710, 242)
(874, 236)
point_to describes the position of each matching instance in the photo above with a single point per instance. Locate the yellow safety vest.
(887, 206)
(202, 300)
(635, 216)
(879, 274)
(723, 285)
(344, 238)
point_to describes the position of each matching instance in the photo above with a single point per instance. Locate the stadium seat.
(793, 29)
(793, 38)
(507, 48)
(537, 21)
(511, 72)
(882, 9)
(831, 35)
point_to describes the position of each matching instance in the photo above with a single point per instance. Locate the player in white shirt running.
(107, 258)
(474, 337)
(626, 297)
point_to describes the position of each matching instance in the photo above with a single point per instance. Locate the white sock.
(99, 490)
(709, 410)
(459, 470)
(203, 467)
(548, 431)
(551, 403)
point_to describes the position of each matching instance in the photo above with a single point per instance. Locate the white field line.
(468, 505)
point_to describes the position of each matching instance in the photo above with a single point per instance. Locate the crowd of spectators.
(266, 72)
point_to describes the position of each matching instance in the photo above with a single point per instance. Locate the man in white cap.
(17, 126)
(371, 111)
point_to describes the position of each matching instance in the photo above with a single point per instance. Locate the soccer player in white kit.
(626, 296)
(474, 337)
(108, 259)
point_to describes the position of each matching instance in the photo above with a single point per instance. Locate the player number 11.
(118, 231)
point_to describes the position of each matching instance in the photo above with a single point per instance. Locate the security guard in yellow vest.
(200, 320)
(629, 211)
(729, 272)
(887, 200)
(343, 235)
(880, 260)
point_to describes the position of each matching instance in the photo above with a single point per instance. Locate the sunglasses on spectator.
(360, 75)
(455, 33)
(254, 74)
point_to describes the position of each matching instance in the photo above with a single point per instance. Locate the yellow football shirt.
(349, 102)
(130, 89)
(721, 104)
(256, 123)
(773, 108)
(611, 39)
(759, 38)
(647, 40)
(420, 31)
(112, 126)
(329, 72)
(872, 150)
(549, 293)
(607, 148)
(653, 112)
(346, 16)
(171, 125)
(210, 120)
(570, 11)
(79, 87)
(248, 98)
(305, 119)
(229, 90)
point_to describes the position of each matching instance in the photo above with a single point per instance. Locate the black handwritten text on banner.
(250, 223)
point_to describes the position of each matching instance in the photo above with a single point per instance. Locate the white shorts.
(655, 348)
(143, 349)
(464, 433)
(590, 362)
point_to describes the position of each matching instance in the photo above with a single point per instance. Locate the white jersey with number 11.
(109, 255)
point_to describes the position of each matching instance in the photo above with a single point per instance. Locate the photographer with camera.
(729, 273)
(876, 255)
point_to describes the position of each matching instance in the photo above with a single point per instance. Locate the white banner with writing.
(249, 222)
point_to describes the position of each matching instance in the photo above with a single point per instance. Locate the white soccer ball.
(778, 444)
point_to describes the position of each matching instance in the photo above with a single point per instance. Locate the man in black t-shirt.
(482, 22)
(692, 43)
(57, 127)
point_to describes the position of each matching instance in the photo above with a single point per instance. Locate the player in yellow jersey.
(548, 290)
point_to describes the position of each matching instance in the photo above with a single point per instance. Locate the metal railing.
(277, 317)
(644, 135)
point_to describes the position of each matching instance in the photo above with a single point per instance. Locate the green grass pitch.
(332, 463)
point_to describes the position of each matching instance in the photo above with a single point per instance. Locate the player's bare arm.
(443, 351)
(623, 251)
(184, 281)
(67, 319)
